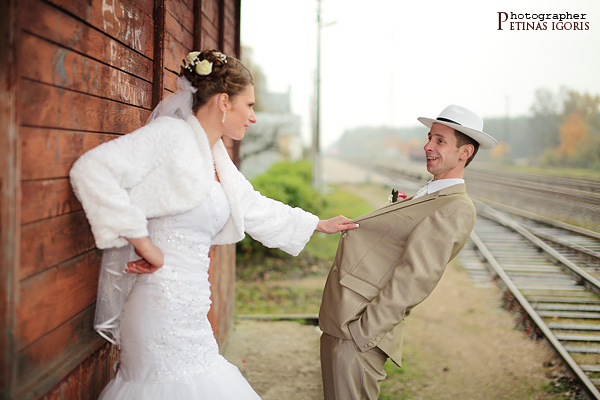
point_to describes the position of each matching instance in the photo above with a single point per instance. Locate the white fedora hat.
(465, 121)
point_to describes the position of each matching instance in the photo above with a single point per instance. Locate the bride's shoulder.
(169, 124)
(168, 131)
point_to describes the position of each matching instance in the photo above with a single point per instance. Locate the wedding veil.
(178, 104)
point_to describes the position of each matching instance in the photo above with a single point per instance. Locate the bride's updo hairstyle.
(211, 72)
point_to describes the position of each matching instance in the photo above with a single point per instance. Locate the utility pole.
(316, 151)
(507, 120)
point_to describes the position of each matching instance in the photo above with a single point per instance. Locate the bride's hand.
(336, 224)
(140, 266)
(152, 257)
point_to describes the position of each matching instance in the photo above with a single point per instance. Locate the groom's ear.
(466, 151)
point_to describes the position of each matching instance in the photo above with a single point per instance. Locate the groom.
(393, 261)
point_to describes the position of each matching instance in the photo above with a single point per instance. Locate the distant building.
(275, 137)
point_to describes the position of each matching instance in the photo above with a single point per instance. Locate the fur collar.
(219, 159)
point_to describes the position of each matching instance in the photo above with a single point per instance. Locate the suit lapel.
(459, 188)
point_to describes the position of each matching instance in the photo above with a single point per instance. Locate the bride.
(156, 200)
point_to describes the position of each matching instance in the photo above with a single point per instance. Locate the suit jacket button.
(344, 234)
(334, 268)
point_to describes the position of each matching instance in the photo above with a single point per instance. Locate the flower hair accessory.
(202, 67)
(396, 195)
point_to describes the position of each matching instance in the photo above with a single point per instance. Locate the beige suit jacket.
(391, 263)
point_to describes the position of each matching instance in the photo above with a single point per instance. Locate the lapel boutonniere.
(396, 195)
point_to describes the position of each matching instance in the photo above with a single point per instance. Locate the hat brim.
(485, 141)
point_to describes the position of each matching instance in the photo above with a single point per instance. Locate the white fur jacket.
(162, 169)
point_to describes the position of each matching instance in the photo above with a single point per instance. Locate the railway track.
(578, 185)
(552, 275)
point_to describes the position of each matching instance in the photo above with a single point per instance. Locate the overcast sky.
(387, 62)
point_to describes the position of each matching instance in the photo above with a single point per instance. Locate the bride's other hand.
(336, 224)
(152, 257)
(140, 266)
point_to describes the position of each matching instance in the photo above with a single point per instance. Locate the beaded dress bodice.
(185, 239)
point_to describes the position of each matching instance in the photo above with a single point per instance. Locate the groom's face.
(443, 155)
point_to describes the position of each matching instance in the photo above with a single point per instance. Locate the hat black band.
(448, 120)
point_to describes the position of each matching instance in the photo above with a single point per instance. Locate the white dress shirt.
(437, 185)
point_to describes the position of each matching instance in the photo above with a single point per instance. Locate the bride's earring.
(224, 114)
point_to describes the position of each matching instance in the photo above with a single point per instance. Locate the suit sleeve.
(101, 177)
(429, 248)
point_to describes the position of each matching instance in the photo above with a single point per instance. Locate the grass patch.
(398, 380)
(260, 298)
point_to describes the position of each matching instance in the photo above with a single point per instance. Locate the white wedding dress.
(168, 347)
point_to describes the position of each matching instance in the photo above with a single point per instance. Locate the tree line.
(562, 130)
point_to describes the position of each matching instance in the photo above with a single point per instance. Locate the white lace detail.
(186, 344)
(163, 235)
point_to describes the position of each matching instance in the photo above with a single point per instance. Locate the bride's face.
(241, 114)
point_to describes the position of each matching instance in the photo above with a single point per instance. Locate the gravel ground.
(459, 344)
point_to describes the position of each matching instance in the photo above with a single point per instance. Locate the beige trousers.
(348, 373)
